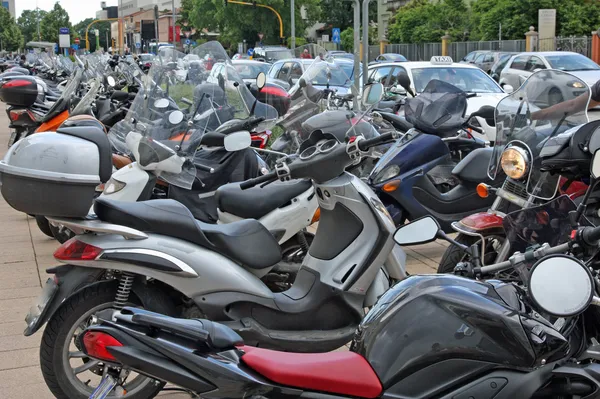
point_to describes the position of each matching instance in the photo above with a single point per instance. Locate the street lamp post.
(173, 5)
(365, 24)
(293, 22)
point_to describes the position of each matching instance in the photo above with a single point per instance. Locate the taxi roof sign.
(441, 60)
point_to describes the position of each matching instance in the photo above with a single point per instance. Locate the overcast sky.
(78, 9)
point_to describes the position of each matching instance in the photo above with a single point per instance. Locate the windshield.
(470, 80)
(571, 62)
(395, 57)
(519, 122)
(172, 112)
(275, 54)
(440, 109)
(85, 104)
(146, 57)
(250, 70)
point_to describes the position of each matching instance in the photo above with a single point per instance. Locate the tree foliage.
(103, 27)
(236, 22)
(426, 21)
(53, 21)
(28, 23)
(347, 38)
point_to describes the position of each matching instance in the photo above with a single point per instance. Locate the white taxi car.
(464, 76)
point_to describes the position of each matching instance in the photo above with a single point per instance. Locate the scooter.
(215, 270)
(490, 339)
(419, 176)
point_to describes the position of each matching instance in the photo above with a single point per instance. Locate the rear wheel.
(44, 225)
(454, 254)
(67, 371)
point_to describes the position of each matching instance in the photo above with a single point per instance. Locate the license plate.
(40, 304)
(13, 136)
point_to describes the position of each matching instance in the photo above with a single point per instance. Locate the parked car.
(470, 58)
(468, 78)
(499, 65)
(523, 65)
(145, 61)
(486, 60)
(249, 69)
(389, 57)
(340, 54)
(272, 53)
(286, 73)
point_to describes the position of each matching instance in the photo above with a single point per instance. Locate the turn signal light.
(316, 216)
(77, 250)
(391, 186)
(483, 190)
(97, 344)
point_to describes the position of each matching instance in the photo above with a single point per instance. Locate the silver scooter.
(156, 253)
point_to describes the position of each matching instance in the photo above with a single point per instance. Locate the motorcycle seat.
(247, 242)
(256, 202)
(344, 373)
(474, 167)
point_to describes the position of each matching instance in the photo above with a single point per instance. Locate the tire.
(44, 225)
(61, 380)
(61, 234)
(454, 254)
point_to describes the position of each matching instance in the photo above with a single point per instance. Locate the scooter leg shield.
(135, 180)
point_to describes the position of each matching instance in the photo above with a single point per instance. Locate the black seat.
(474, 167)
(247, 242)
(256, 202)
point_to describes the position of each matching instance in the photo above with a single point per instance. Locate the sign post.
(64, 39)
(336, 36)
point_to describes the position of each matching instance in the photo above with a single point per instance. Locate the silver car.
(523, 65)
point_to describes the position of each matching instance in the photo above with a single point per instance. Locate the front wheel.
(454, 254)
(67, 371)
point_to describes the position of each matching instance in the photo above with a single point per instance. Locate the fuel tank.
(451, 326)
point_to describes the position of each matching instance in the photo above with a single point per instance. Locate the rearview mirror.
(302, 83)
(261, 80)
(508, 88)
(372, 94)
(549, 292)
(237, 141)
(161, 103)
(419, 231)
(404, 81)
(111, 81)
(486, 112)
(596, 165)
(175, 117)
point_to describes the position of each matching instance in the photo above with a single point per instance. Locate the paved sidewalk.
(25, 254)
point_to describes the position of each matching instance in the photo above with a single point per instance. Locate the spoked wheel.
(454, 255)
(284, 273)
(67, 371)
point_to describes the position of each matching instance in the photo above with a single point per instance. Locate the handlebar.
(205, 168)
(590, 235)
(364, 145)
(258, 180)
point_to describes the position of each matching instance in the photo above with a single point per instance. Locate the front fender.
(480, 223)
(70, 279)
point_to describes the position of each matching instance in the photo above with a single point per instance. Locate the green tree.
(103, 27)
(12, 38)
(53, 21)
(347, 38)
(28, 23)
(237, 22)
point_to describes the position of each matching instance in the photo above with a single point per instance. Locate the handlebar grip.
(205, 168)
(364, 145)
(591, 235)
(258, 180)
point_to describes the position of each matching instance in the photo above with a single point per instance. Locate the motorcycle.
(184, 264)
(412, 179)
(536, 347)
(518, 153)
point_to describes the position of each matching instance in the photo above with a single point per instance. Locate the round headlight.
(387, 173)
(514, 162)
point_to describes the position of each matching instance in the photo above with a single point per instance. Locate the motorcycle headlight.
(514, 162)
(387, 173)
(113, 186)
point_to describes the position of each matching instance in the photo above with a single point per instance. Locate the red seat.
(345, 373)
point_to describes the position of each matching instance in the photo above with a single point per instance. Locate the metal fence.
(458, 50)
(577, 44)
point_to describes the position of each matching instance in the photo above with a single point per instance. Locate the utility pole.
(37, 16)
(293, 22)
(173, 5)
(156, 23)
(365, 27)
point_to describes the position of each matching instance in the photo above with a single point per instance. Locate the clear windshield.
(130, 72)
(470, 80)
(571, 62)
(85, 104)
(545, 105)
(249, 69)
(71, 87)
(173, 111)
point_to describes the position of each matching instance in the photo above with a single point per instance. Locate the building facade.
(10, 6)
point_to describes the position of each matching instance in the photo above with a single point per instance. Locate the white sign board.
(325, 38)
(546, 29)
(64, 41)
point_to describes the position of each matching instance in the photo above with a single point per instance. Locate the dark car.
(499, 65)
(390, 57)
(470, 58)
